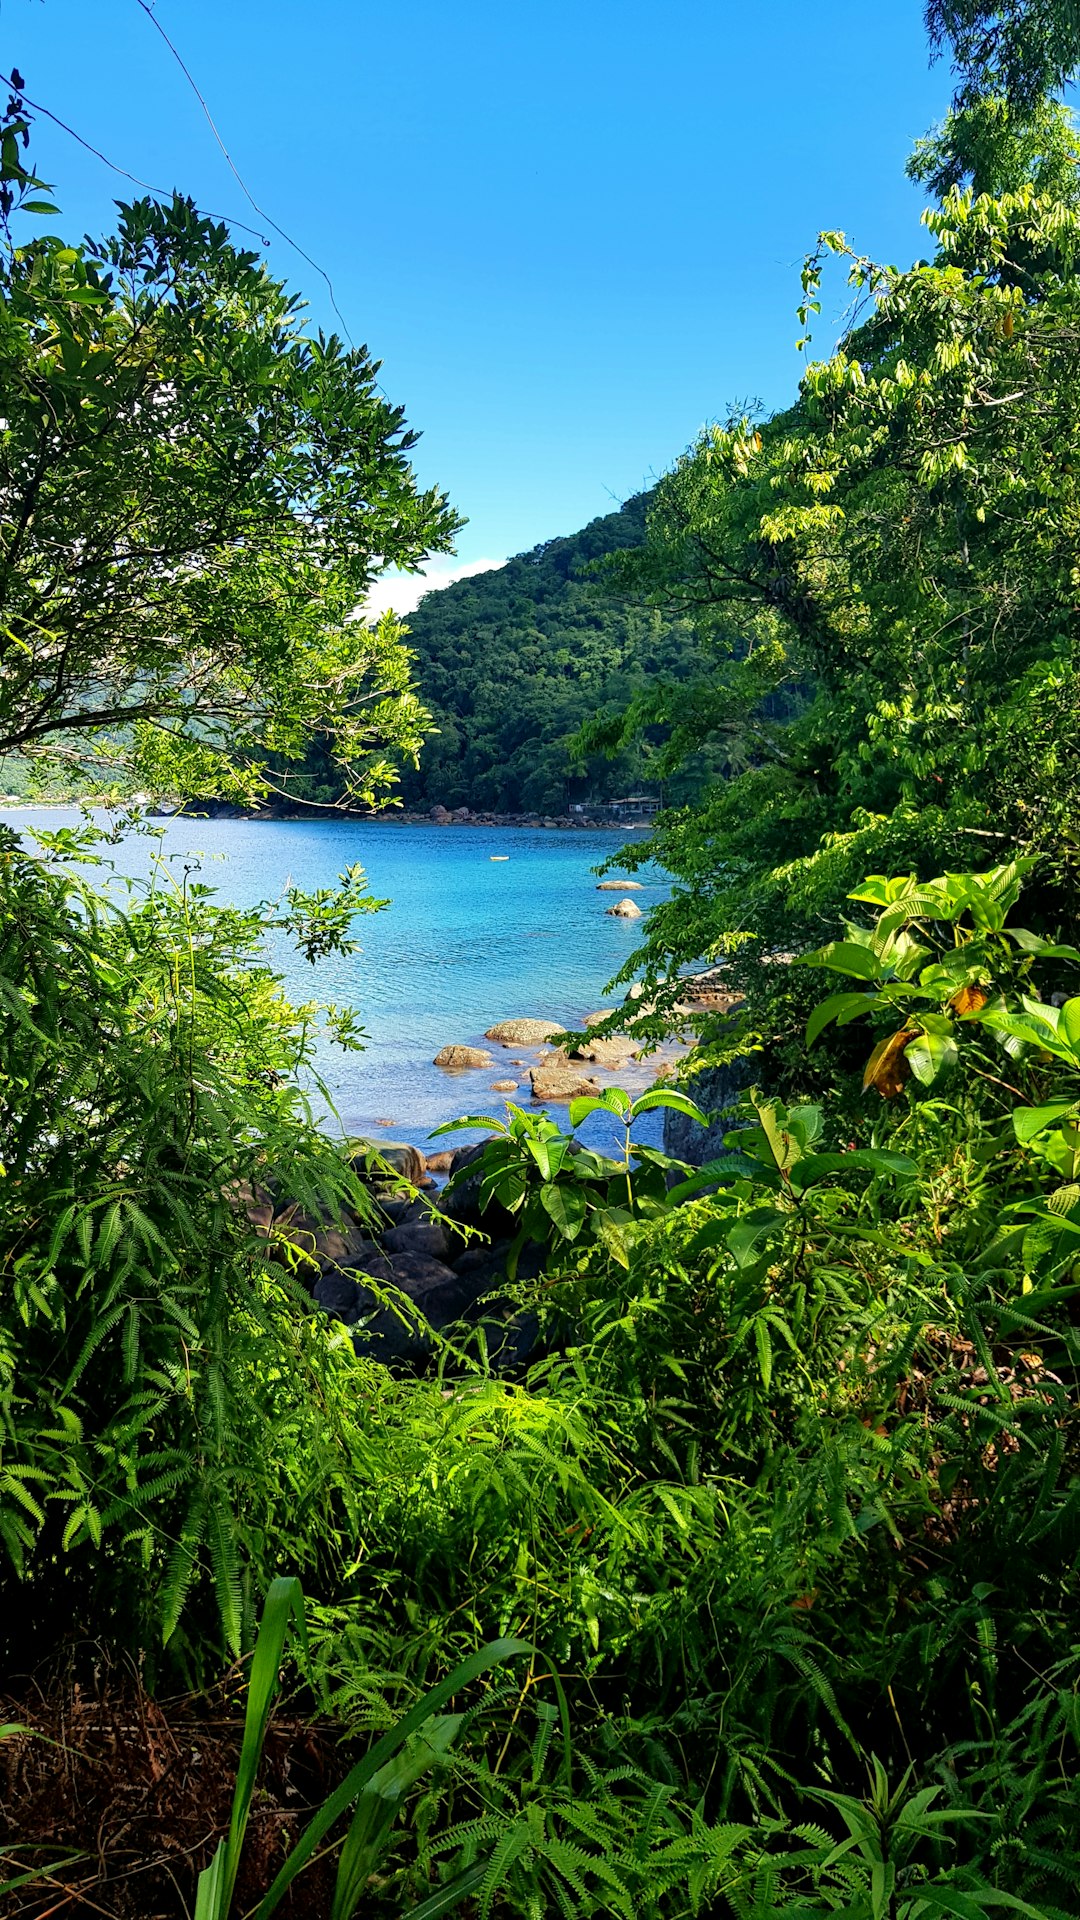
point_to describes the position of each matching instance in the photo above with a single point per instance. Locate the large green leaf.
(841, 1007)
(930, 1055)
(1029, 1121)
(845, 956)
(565, 1207)
(667, 1097)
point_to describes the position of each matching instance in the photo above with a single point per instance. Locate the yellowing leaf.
(887, 1069)
(969, 1000)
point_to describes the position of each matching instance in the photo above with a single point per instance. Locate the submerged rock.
(619, 886)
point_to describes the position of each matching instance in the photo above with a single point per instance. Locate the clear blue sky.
(570, 229)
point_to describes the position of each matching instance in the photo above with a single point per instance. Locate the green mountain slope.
(512, 661)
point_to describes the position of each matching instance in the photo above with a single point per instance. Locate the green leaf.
(284, 1604)
(841, 1007)
(666, 1097)
(565, 1208)
(845, 956)
(1028, 1121)
(1069, 1023)
(493, 1654)
(930, 1055)
(868, 1159)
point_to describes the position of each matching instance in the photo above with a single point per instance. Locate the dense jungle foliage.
(510, 664)
(751, 1585)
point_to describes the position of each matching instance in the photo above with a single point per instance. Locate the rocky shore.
(403, 816)
(410, 1262)
(419, 1256)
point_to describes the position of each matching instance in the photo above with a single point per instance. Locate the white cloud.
(404, 591)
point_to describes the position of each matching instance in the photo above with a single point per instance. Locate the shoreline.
(391, 817)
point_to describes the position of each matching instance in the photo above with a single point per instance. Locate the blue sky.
(571, 231)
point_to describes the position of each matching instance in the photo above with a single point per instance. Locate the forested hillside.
(512, 662)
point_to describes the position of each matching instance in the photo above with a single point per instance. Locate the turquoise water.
(466, 941)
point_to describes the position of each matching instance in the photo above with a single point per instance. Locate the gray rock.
(462, 1202)
(619, 886)
(335, 1248)
(429, 1238)
(373, 1263)
(717, 1092)
(625, 910)
(339, 1295)
(419, 1274)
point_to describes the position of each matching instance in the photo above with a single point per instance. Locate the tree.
(195, 493)
(894, 559)
(1021, 49)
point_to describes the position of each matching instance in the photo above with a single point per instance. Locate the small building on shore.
(636, 806)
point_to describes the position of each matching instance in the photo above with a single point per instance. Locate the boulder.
(619, 886)
(419, 1274)
(403, 1159)
(717, 1092)
(338, 1295)
(614, 1052)
(504, 1086)
(458, 1058)
(428, 1237)
(524, 1033)
(560, 1083)
(394, 1209)
(371, 1263)
(335, 1248)
(462, 1202)
(625, 910)
(439, 1162)
(597, 1019)
(440, 816)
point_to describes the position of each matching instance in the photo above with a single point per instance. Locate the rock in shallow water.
(561, 1083)
(614, 1052)
(524, 1033)
(458, 1058)
(625, 910)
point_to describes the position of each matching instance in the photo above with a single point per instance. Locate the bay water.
(483, 924)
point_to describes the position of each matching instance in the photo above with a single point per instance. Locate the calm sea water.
(466, 941)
